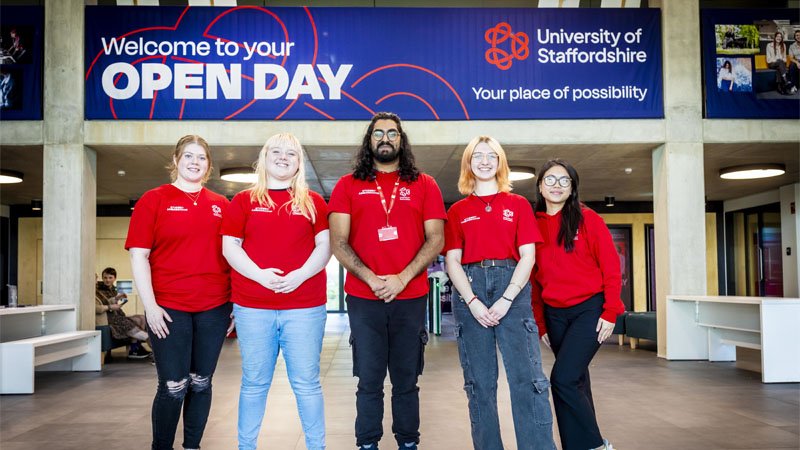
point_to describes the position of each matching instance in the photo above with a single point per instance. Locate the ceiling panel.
(601, 168)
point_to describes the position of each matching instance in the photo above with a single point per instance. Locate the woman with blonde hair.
(490, 251)
(184, 284)
(275, 236)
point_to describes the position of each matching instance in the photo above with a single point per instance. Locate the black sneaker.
(139, 353)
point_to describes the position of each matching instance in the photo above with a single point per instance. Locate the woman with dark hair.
(726, 77)
(489, 247)
(184, 284)
(108, 311)
(776, 59)
(575, 297)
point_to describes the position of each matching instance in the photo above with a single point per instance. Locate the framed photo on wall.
(621, 234)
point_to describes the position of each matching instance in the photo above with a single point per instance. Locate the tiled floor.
(643, 402)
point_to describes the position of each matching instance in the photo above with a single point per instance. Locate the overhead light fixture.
(521, 173)
(610, 201)
(10, 176)
(132, 203)
(752, 171)
(36, 205)
(239, 175)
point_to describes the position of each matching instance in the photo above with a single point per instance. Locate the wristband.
(506, 299)
(471, 300)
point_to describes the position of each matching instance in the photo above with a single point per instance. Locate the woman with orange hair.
(490, 251)
(184, 284)
(276, 238)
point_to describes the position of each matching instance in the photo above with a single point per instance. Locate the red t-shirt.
(187, 268)
(562, 279)
(275, 237)
(416, 202)
(490, 235)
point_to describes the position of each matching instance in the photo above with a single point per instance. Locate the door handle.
(760, 264)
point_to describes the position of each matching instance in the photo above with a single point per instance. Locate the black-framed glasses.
(551, 180)
(391, 134)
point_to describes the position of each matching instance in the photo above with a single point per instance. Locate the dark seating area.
(108, 342)
(641, 325)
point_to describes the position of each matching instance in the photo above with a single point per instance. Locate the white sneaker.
(794, 90)
(608, 445)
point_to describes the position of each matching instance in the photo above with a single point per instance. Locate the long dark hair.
(783, 43)
(571, 214)
(364, 167)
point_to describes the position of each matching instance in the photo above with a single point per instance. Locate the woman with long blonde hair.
(275, 236)
(490, 251)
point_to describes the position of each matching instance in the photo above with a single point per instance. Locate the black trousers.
(574, 341)
(387, 336)
(185, 362)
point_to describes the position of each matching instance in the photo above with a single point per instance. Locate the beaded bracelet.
(471, 300)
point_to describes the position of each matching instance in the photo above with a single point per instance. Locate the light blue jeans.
(262, 334)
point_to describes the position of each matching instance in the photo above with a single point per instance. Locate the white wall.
(751, 201)
(790, 236)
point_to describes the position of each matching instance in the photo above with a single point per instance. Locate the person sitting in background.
(776, 59)
(794, 60)
(108, 311)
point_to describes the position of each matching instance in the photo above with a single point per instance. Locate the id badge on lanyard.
(388, 233)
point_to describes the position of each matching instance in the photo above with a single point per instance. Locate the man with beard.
(386, 223)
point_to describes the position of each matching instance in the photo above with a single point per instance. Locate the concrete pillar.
(678, 186)
(69, 191)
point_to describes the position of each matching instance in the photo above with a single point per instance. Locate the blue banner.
(21, 62)
(249, 62)
(742, 64)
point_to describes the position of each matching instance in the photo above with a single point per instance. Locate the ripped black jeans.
(185, 362)
(387, 336)
(517, 336)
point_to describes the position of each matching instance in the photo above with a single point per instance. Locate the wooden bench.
(711, 328)
(43, 338)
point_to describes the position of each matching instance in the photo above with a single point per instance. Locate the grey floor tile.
(642, 402)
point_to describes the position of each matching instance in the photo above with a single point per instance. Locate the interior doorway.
(754, 249)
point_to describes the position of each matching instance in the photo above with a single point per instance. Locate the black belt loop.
(493, 263)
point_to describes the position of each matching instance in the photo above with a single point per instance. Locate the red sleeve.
(537, 304)
(608, 260)
(321, 218)
(340, 197)
(141, 230)
(433, 208)
(235, 217)
(527, 230)
(453, 234)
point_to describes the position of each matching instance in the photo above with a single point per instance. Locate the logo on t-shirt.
(176, 208)
(216, 210)
(405, 193)
(470, 219)
(508, 215)
(260, 209)
(368, 191)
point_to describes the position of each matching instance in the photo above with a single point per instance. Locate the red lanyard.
(383, 199)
